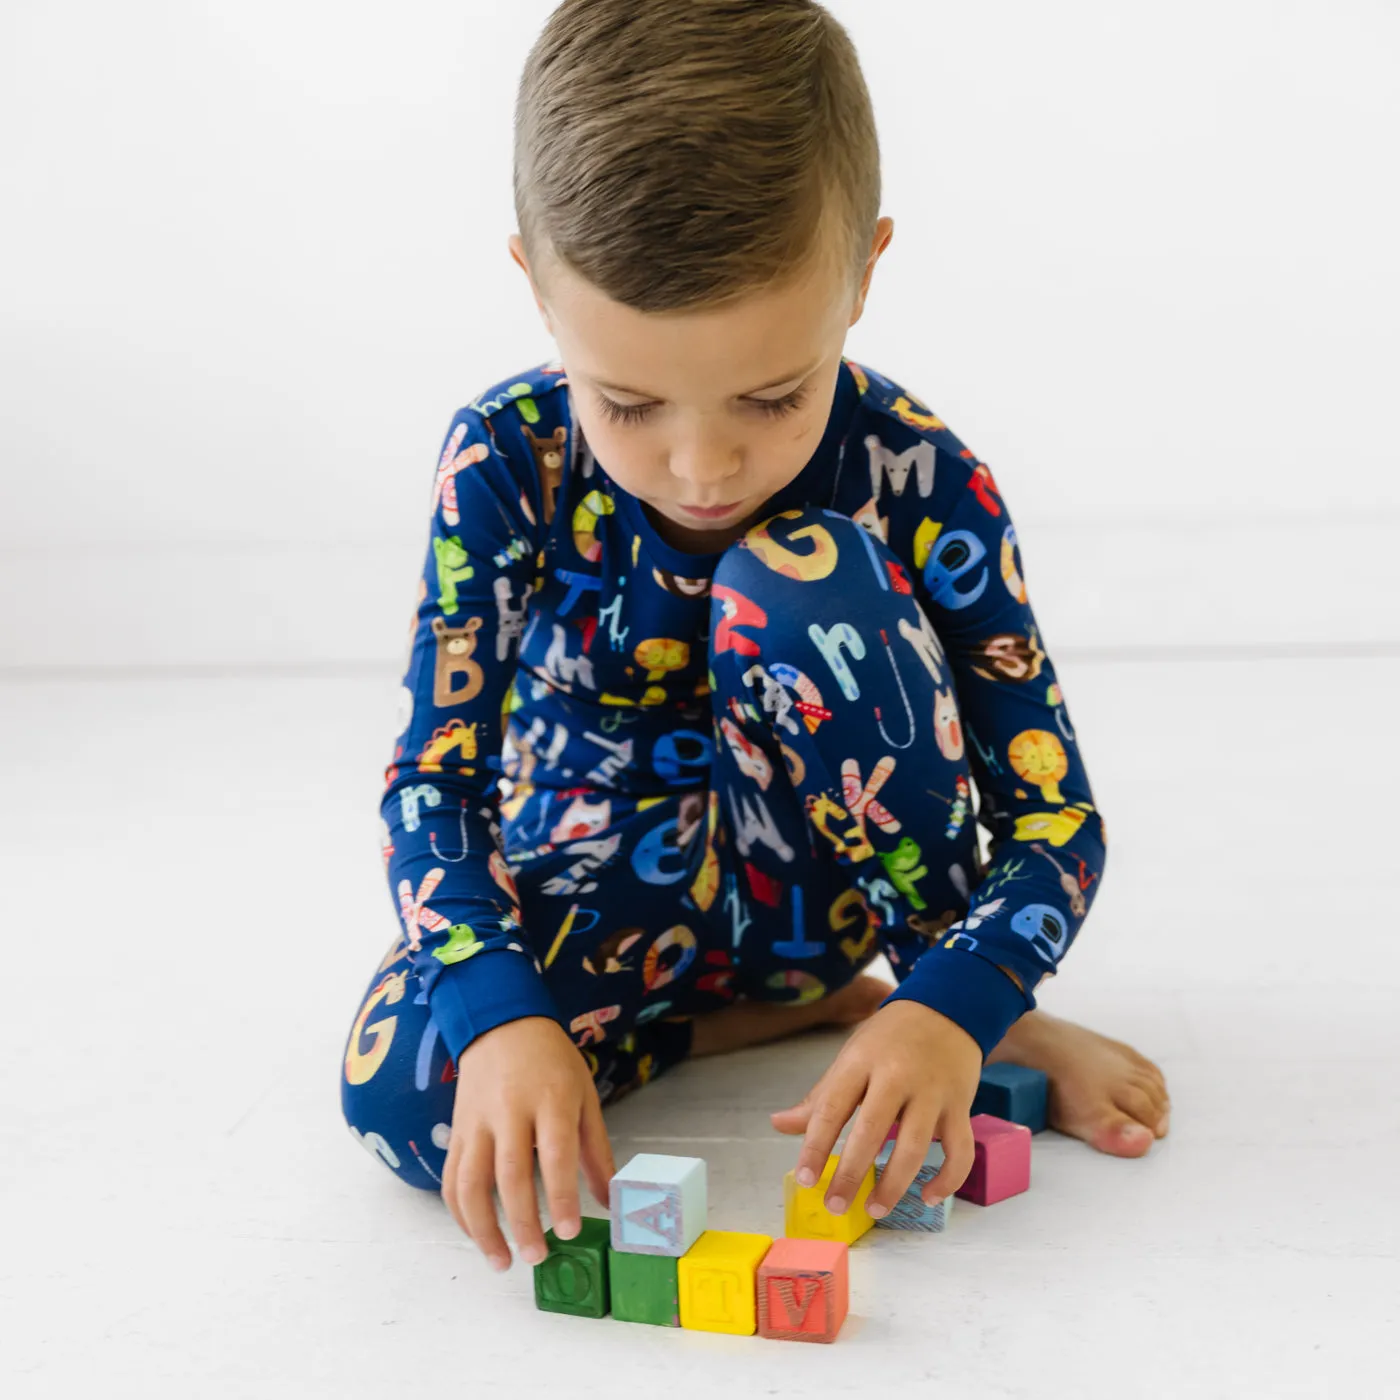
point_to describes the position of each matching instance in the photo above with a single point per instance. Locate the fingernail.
(836, 1204)
(806, 1176)
(567, 1229)
(500, 1263)
(1129, 1130)
(533, 1254)
(876, 1212)
(937, 1201)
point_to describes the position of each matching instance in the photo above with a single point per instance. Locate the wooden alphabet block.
(805, 1214)
(804, 1290)
(573, 1277)
(1014, 1093)
(644, 1288)
(717, 1281)
(910, 1212)
(1002, 1163)
(658, 1204)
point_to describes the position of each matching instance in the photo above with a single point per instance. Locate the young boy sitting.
(718, 635)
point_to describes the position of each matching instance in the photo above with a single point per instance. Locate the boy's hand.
(523, 1088)
(907, 1062)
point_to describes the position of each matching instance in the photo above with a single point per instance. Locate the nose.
(707, 465)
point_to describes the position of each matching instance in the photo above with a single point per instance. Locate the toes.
(1140, 1104)
(1121, 1136)
(1155, 1091)
(1151, 1071)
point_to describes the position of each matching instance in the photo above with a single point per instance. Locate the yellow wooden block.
(716, 1276)
(805, 1214)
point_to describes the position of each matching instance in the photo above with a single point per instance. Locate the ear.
(516, 246)
(884, 232)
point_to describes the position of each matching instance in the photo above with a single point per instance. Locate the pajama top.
(544, 585)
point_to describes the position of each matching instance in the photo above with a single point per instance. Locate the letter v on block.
(803, 1290)
(798, 1295)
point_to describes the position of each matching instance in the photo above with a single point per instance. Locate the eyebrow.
(772, 384)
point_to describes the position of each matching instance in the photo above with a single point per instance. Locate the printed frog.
(903, 867)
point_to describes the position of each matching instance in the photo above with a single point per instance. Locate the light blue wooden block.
(910, 1212)
(659, 1204)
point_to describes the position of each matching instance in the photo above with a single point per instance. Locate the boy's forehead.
(766, 340)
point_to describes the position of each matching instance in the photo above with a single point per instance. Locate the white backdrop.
(254, 256)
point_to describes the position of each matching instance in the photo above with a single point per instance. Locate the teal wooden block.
(573, 1277)
(1014, 1093)
(910, 1212)
(645, 1288)
(659, 1204)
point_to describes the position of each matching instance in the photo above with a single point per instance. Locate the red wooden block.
(804, 1290)
(1001, 1163)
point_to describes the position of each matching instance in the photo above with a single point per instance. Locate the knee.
(807, 545)
(404, 1151)
(393, 1117)
(806, 572)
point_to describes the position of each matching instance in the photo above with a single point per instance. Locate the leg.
(839, 761)
(397, 1082)
(757, 1022)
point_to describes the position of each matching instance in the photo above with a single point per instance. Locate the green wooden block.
(573, 1277)
(645, 1287)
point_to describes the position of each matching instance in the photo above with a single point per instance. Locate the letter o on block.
(573, 1277)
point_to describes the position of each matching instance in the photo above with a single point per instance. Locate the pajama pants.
(778, 881)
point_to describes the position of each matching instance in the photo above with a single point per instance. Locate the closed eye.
(635, 413)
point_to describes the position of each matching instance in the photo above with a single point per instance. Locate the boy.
(739, 622)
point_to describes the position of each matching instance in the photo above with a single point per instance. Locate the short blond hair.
(679, 154)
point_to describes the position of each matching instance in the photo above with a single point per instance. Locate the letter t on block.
(658, 1204)
(804, 1290)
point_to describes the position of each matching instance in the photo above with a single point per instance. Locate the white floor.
(192, 901)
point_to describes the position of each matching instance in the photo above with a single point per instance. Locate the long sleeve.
(447, 874)
(1047, 846)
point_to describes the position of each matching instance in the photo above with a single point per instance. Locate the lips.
(712, 512)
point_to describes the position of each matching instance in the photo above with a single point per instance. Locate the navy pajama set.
(632, 784)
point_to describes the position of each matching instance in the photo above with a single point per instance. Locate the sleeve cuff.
(473, 997)
(968, 990)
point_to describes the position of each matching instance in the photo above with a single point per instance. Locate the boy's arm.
(1047, 838)
(447, 874)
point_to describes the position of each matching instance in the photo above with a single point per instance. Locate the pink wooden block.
(1002, 1161)
(804, 1290)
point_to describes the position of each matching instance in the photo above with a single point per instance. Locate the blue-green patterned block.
(1015, 1093)
(910, 1212)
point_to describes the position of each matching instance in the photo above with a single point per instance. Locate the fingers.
(598, 1165)
(865, 1140)
(476, 1205)
(910, 1150)
(959, 1152)
(557, 1143)
(515, 1182)
(831, 1107)
(794, 1119)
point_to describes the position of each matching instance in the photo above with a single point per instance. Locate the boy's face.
(709, 408)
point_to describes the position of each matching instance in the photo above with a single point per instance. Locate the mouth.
(712, 512)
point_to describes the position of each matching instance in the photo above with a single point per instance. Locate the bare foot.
(1100, 1089)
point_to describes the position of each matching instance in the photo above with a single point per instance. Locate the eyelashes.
(769, 408)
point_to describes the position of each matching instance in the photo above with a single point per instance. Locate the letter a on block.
(656, 1217)
(658, 1204)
